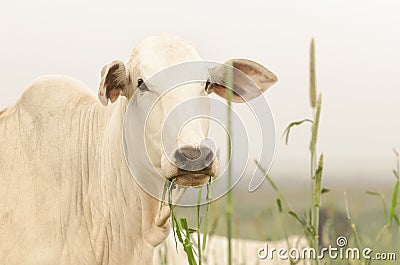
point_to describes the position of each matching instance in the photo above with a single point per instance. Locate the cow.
(67, 195)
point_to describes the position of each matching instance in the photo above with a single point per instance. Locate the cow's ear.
(115, 81)
(246, 78)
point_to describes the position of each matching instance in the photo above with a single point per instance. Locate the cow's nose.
(193, 159)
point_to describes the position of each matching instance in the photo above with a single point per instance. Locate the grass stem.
(229, 79)
(199, 226)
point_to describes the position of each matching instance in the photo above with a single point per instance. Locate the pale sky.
(357, 50)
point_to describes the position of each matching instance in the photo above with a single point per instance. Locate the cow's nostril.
(210, 157)
(180, 159)
(207, 154)
(190, 153)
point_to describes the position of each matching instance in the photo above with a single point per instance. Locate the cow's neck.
(123, 217)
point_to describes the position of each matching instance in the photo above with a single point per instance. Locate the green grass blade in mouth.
(199, 225)
(187, 245)
(164, 194)
(205, 234)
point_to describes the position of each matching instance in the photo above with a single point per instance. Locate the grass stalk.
(181, 228)
(181, 232)
(199, 226)
(316, 205)
(392, 222)
(353, 228)
(314, 171)
(281, 197)
(205, 234)
(229, 83)
(392, 215)
(385, 210)
(187, 245)
(283, 206)
(311, 222)
(313, 87)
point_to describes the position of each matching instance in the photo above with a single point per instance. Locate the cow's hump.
(55, 93)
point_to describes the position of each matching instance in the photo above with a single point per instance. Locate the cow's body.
(66, 193)
(63, 199)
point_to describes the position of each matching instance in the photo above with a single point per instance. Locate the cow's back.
(38, 139)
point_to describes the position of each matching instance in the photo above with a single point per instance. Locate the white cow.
(66, 193)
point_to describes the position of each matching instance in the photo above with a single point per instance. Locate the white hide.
(66, 195)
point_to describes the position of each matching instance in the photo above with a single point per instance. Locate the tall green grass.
(229, 207)
(310, 223)
(391, 225)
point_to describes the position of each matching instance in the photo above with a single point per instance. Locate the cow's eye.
(141, 85)
(206, 87)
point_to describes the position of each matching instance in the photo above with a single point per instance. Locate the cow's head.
(177, 149)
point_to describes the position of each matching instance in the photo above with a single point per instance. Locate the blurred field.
(256, 215)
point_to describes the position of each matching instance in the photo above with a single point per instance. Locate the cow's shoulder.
(54, 92)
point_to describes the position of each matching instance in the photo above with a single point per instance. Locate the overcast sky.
(357, 50)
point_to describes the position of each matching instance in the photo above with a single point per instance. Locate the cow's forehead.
(156, 53)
